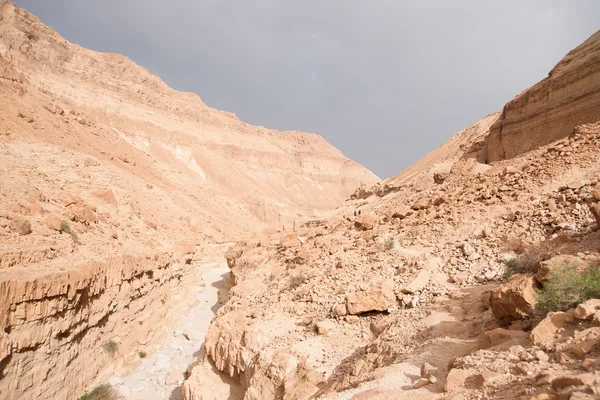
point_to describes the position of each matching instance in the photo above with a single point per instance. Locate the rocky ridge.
(409, 299)
(115, 190)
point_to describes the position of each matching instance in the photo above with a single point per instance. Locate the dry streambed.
(160, 374)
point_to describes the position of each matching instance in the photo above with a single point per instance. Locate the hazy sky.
(384, 81)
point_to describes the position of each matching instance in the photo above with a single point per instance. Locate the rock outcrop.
(551, 109)
(113, 189)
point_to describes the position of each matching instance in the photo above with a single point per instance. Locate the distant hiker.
(358, 212)
(355, 213)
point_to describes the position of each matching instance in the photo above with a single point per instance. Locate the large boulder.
(595, 210)
(365, 223)
(543, 333)
(417, 284)
(515, 299)
(500, 336)
(377, 298)
(20, 226)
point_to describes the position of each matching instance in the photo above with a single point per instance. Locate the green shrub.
(64, 226)
(523, 264)
(142, 354)
(102, 392)
(110, 347)
(567, 287)
(389, 244)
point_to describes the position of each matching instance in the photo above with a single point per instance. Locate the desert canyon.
(152, 247)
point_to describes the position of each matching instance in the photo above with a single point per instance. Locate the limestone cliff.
(113, 189)
(550, 109)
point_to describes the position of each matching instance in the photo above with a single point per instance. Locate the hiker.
(358, 212)
(355, 213)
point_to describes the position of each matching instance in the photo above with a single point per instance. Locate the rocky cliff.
(114, 188)
(550, 109)
(410, 299)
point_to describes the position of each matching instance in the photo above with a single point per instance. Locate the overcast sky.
(384, 81)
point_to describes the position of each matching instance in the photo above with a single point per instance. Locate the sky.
(384, 81)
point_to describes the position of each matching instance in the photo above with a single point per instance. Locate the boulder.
(485, 377)
(455, 379)
(53, 221)
(20, 226)
(422, 203)
(500, 336)
(544, 332)
(515, 299)
(587, 309)
(83, 213)
(402, 212)
(339, 310)
(377, 298)
(595, 210)
(440, 176)
(365, 223)
(325, 327)
(546, 268)
(417, 284)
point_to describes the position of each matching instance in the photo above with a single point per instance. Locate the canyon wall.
(113, 189)
(550, 109)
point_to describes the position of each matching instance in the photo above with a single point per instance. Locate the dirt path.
(160, 374)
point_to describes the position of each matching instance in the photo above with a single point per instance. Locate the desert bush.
(389, 244)
(102, 392)
(110, 347)
(567, 286)
(296, 281)
(64, 227)
(523, 264)
(142, 354)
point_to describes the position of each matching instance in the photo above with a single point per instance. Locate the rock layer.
(549, 110)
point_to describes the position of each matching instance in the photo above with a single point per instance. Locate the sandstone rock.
(422, 203)
(419, 383)
(20, 226)
(377, 298)
(107, 195)
(67, 200)
(53, 221)
(544, 332)
(440, 177)
(455, 379)
(402, 212)
(427, 370)
(596, 194)
(515, 299)
(339, 310)
(580, 349)
(510, 170)
(587, 309)
(595, 210)
(485, 377)
(563, 382)
(365, 223)
(325, 327)
(417, 284)
(83, 213)
(547, 267)
(500, 336)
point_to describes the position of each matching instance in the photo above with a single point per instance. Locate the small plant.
(110, 347)
(296, 281)
(64, 227)
(567, 287)
(389, 244)
(142, 354)
(102, 392)
(523, 264)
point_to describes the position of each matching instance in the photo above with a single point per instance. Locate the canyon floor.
(168, 250)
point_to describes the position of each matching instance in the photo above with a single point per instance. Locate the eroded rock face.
(515, 299)
(377, 298)
(549, 110)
